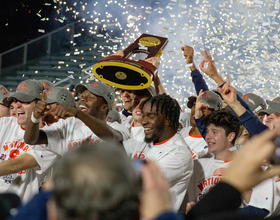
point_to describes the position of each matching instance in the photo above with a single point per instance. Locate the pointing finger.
(44, 96)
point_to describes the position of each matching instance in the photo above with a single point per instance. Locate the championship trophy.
(130, 72)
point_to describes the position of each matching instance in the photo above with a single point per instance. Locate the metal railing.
(22, 56)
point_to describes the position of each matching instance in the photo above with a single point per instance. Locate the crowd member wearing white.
(127, 98)
(160, 120)
(4, 108)
(191, 134)
(266, 195)
(136, 128)
(77, 125)
(222, 129)
(14, 168)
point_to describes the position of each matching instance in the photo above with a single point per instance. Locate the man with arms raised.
(160, 119)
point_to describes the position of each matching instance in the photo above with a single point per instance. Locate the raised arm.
(98, 127)
(197, 78)
(33, 135)
(249, 120)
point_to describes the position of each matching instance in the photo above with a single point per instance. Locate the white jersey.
(126, 120)
(12, 145)
(174, 159)
(203, 179)
(72, 133)
(197, 144)
(266, 195)
(137, 133)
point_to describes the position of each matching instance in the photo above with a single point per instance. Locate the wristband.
(35, 120)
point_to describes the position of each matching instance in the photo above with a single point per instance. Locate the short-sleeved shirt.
(174, 159)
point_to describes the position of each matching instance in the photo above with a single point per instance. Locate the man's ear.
(231, 136)
(104, 107)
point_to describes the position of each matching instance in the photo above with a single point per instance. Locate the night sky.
(19, 21)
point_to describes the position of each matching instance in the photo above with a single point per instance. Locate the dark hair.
(96, 181)
(225, 119)
(142, 92)
(168, 106)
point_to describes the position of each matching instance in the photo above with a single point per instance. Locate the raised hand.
(154, 61)
(118, 53)
(41, 106)
(211, 69)
(200, 107)
(188, 54)
(62, 111)
(228, 93)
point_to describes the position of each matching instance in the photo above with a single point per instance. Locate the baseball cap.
(113, 115)
(273, 106)
(100, 89)
(150, 91)
(61, 96)
(4, 94)
(47, 84)
(255, 102)
(27, 91)
(212, 100)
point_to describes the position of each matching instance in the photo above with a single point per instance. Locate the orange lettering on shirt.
(14, 154)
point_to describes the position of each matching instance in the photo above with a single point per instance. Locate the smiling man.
(77, 125)
(222, 128)
(160, 120)
(13, 149)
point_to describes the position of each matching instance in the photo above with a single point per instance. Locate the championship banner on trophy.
(131, 72)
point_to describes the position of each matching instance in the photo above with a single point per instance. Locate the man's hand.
(118, 53)
(189, 54)
(211, 69)
(155, 198)
(228, 93)
(41, 106)
(62, 111)
(200, 107)
(245, 170)
(219, 172)
(154, 61)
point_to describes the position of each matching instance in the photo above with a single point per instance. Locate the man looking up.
(160, 120)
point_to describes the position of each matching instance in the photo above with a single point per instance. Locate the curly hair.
(225, 119)
(167, 106)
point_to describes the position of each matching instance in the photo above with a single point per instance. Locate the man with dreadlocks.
(162, 144)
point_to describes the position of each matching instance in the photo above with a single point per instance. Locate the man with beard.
(160, 120)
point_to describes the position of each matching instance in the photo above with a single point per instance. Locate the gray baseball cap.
(255, 102)
(27, 91)
(46, 83)
(212, 100)
(4, 94)
(273, 106)
(240, 94)
(113, 115)
(61, 96)
(100, 89)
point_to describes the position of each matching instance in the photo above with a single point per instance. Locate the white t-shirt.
(72, 132)
(197, 144)
(203, 179)
(266, 195)
(137, 133)
(12, 145)
(173, 158)
(126, 120)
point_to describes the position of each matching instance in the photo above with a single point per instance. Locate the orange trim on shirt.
(195, 136)
(164, 141)
(132, 125)
(226, 161)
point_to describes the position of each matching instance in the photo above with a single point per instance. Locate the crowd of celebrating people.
(66, 160)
